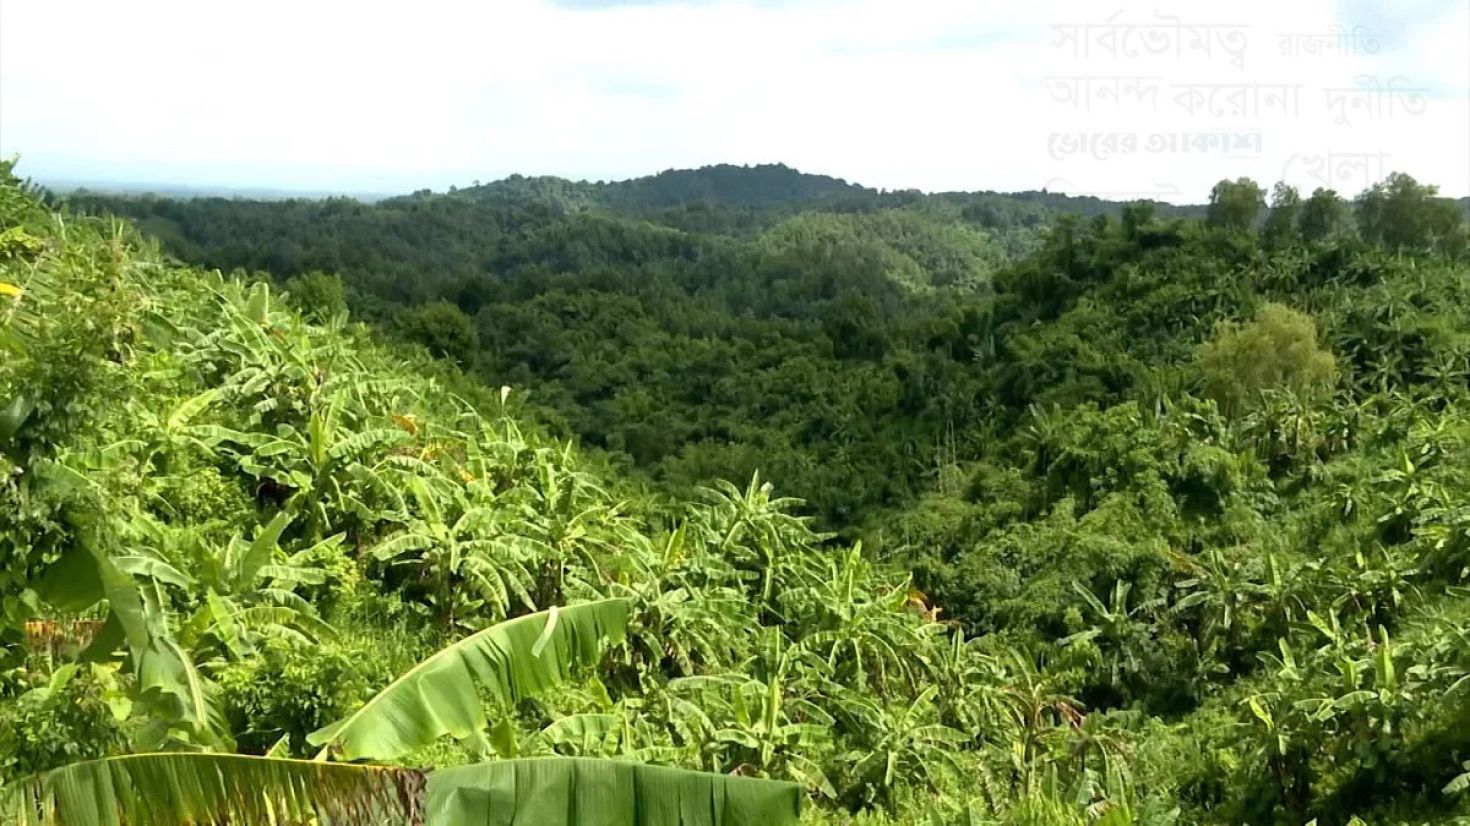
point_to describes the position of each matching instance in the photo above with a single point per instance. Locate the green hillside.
(700, 323)
(1164, 519)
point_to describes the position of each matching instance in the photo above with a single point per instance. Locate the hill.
(1182, 499)
(641, 314)
(226, 527)
(765, 185)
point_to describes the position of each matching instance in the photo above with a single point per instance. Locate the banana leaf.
(441, 695)
(571, 791)
(168, 789)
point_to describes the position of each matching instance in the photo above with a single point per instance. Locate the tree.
(1235, 205)
(1286, 205)
(318, 295)
(443, 328)
(1400, 212)
(1322, 215)
(1277, 350)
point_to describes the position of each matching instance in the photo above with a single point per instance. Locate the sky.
(1120, 100)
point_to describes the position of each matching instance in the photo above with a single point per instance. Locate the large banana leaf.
(568, 791)
(175, 788)
(229, 789)
(442, 695)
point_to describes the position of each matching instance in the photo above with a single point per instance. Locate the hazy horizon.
(1132, 101)
(140, 187)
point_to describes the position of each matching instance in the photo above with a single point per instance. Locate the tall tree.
(1281, 222)
(1235, 205)
(1322, 215)
(1400, 212)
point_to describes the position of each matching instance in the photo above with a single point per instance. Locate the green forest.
(735, 495)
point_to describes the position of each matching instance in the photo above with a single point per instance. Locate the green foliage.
(167, 789)
(509, 662)
(276, 693)
(704, 323)
(319, 296)
(567, 791)
(1275, 351)
(78, 712)
(1322, 215)
(1281, 223)
(1401, 213)
(1140, 544)
(1236, 204)
(444, 329)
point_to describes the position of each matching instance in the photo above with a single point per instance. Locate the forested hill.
(777, 186)
(702, 323)
(1183, 500)
(720, 185)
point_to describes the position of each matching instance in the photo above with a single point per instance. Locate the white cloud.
(934, 95)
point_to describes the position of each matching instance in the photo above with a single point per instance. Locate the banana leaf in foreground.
(572, 791)
(232, 790)
(441, 695)
(169, 789)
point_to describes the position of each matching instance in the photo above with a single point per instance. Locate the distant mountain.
(722, 197)
(726, 197)
(184, 191)
(751, 186)
(724, 185)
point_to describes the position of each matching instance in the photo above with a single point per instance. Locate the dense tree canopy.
(691, 321)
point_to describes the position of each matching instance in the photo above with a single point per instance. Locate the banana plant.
(1460, 783)
(686, 607)
(262, 359)
(768, 727)
(758, 530)
(903, 741)
(1118, 629)
(512, 661)
(331, 471)
(169, 689)
(1376, 584)
(1447, 530)
(633, 728)
(1283, 592)
(165, 789)
(464, 553)
(247, 587)
(175, 433)
(858, 624)
(969, 684)
(1038, 709)
(1220, 593)
(577, 528)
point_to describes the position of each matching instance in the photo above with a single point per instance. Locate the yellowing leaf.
(407, 423)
